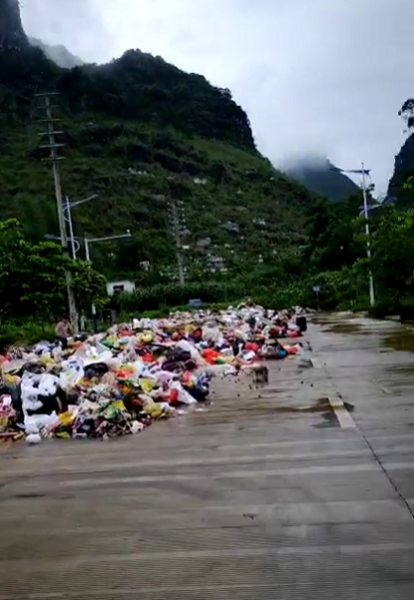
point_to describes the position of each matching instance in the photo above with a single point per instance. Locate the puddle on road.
(261, 408)
(401, 340)
(329, 420)
(322, 406)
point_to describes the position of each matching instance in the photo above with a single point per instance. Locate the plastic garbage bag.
(249, 355)
(163, 377)
(71, 374)
(48, 385)
(36, 423)
(30, 396)
(129, 354)
(42, 348)
(192, 350)
(212, 334)
(137, 427)
(222, 370)
(183, 396)
(166, 408)
(57, 354)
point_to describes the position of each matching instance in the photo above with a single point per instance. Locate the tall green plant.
(32, 277)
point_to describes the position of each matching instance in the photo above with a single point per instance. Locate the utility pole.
(367, 233)
(67, 213)
(177, 227)
(53, 146)
(363, 172)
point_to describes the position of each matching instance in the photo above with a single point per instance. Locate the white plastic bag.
(136, 427)
(183, 396)
(48, 385)
(71, 375)
(35, 423)
(212, 334)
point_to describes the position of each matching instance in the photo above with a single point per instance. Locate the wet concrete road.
(263, 496)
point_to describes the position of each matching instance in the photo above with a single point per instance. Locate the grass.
(25, 333)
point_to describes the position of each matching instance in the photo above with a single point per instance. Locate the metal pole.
(94, 314)
(367, 233)
(87, 254)
(68, 210)
(59, 204)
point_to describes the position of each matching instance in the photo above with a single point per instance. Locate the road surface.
(277, 492)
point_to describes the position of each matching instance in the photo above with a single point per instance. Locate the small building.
(120, 287)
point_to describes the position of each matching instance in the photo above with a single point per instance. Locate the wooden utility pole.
(53, 146)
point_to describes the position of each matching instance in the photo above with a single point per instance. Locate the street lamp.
(74, 241)
(67, 215)
(89, 241)
(103, 239)
(364, 173)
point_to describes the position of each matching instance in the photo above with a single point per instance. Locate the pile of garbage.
(120, 382)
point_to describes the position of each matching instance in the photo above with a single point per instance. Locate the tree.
(392, 262)
(32, 277)
(407, 112)
(331, 241)
(88, 286)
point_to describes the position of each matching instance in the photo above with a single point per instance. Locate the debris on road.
(120, 382)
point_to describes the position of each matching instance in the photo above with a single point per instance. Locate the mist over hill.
(319, 175)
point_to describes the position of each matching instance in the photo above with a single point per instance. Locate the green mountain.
(12, 36)
(404, 168)
(399, 192)
(161, 148)
(322, 177)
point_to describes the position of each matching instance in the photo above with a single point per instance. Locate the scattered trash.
(122, 381)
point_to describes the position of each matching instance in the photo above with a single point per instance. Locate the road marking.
(316, 363)
(344, 418)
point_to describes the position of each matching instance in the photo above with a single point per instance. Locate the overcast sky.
(326, 76)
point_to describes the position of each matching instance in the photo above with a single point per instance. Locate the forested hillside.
(141, 133)
(161, 147)
(398, 192)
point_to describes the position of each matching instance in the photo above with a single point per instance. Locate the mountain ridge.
(322, 177)
(403, 169)
(12, 35)
(60, 55)
(143, 135)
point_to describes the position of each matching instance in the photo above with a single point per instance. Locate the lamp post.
(364, 173)
(67, 214)
(75, 242)
(367, 233)
(89, 241)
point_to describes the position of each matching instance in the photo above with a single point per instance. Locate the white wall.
(114, 287)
